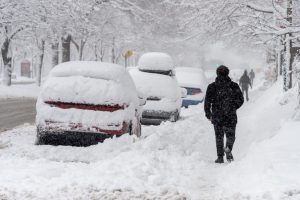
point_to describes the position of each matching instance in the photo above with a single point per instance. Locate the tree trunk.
(281, 63)
(7, 70)
(66, 48)
(286, 65)
(102, 51)
(95, 52)
(278, 58)
(113, 53)
(290, 44)
(290, 63)
(40, 63)
(82, 44)
(55, 53)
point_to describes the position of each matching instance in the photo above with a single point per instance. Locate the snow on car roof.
(156, 61)
(89, 82)
(191, 77)
(91, 69)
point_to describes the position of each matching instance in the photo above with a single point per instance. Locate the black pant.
(220, 131)
(245, 90)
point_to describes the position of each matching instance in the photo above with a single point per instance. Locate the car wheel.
(39, 137)
(139, 129)
(135, 129)
(174, 117)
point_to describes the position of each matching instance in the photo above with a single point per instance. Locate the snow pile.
(30, 90)
(156, 85)
(94, 193)
(156, 61)
(88, 83)
(271, 168)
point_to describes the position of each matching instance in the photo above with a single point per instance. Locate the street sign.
(128, 54)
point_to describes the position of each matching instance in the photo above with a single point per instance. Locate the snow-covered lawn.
(19, 90)
(171, 161)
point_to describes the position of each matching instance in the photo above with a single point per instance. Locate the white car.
(194, 81)
(84, 102)
(154, 78)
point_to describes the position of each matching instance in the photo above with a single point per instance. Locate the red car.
(84, 102)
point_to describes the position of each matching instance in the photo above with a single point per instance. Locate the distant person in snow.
(223, 98)
(252, 76)
(245, 82)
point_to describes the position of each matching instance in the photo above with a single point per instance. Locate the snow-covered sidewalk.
(19, 90)
(171, 161)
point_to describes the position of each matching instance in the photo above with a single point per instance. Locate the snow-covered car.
(154, 77)
(194, 81)
(84, 102)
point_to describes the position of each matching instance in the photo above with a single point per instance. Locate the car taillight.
(104, 108)
(196, 91)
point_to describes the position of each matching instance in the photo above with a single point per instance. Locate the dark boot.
(229, 155)
(220, 159)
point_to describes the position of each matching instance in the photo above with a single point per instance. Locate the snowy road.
(15, 112)
(171, 161)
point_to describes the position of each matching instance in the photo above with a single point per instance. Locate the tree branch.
(75, 43)
(257, 9)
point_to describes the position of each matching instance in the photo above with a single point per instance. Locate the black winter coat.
(245, 82)
(223, 98)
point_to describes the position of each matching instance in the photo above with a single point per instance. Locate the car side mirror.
(142, 98)
(183, 92)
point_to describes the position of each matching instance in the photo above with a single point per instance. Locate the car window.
(167, 73)
(193, 91)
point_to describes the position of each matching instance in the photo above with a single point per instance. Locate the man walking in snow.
(252, 76)
(245, 82)
(223, 98)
